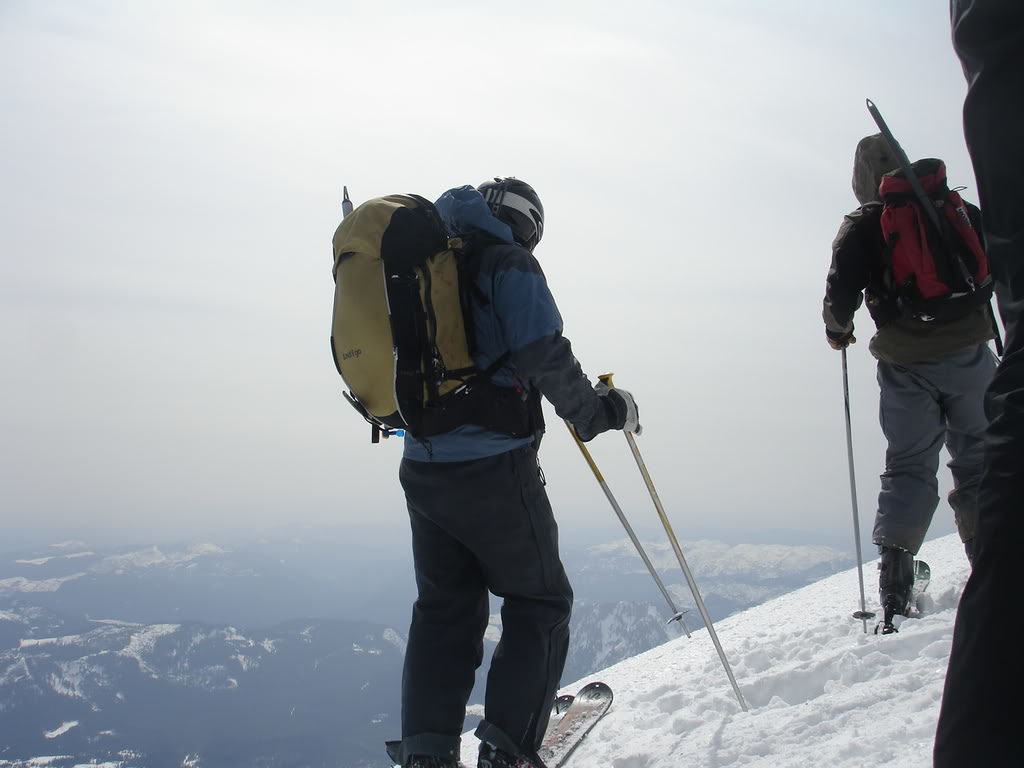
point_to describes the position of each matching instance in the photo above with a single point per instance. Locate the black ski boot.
(895, 582)
(492, 757)
(429, 761)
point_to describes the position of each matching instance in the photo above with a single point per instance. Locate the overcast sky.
(170, 179)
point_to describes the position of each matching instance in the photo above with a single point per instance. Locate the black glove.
(840, 340)
(617, 411)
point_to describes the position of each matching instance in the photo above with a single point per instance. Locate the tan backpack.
(399, 332)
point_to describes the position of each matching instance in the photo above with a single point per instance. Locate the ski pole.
(607, 379)
(677, 615)
(863, 614)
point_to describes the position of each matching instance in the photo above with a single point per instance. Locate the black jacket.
(859, 274)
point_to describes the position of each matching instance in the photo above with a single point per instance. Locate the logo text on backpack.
(351, 353)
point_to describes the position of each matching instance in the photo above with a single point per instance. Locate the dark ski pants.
(923, 406)
(479, 526)
(980, 716)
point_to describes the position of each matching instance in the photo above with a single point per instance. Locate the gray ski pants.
(479, 526)
(923, 406)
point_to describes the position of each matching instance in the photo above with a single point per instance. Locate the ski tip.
(870, 103)
(595, 690)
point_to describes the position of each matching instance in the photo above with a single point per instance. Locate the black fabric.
(603, 420)
(859, 272)
(546, 363)
(479, 526)
(860, 264)
(550, 366)
(508, 410)
(979, 720)
(412, 237)
(611, 415)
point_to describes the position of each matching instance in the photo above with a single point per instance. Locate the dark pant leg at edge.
(979, 719)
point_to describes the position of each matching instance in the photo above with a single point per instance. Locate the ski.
(561, 704)
(581, 714)
(922, 578)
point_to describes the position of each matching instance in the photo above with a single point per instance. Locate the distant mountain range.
(204, 655)
(167, 694)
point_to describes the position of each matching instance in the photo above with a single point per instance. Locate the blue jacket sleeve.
(532, 328)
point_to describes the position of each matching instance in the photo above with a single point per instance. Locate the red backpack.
(938, 275)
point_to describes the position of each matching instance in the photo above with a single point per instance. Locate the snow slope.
(820, 691)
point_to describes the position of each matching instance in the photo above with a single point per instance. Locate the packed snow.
(820, 691)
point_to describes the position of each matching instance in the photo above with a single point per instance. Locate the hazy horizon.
(174, 177)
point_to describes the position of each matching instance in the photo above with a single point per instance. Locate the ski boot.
(895, 583)
(430, 761)
(492, 757)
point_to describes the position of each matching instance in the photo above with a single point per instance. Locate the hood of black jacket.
(872, 160)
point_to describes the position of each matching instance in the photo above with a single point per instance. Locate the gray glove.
(617, 411)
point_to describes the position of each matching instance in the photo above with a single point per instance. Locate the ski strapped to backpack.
(402, 333)
(938, 263)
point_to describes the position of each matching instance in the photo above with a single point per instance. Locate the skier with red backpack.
(928, 294)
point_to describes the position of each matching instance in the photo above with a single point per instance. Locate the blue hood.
(463, 210)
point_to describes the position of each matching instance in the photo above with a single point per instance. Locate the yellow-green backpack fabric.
(399, 330)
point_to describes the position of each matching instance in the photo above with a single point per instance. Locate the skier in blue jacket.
(479, 514)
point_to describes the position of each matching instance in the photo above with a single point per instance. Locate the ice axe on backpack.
(915, 184)
(906, 168)
(677, 615)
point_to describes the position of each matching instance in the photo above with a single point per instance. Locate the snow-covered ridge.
(716, 559)
(45, 560)
(820, 690)
(21, 584)
(118, 564)
(154, 556)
